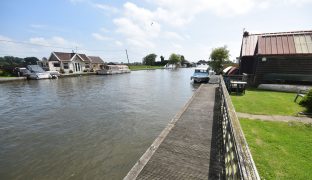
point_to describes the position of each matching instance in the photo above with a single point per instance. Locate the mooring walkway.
(188, 148)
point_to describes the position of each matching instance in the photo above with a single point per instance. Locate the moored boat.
(201, 74)
(36, 72)
(113, 69)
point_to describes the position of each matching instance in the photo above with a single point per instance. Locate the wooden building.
(284, 57)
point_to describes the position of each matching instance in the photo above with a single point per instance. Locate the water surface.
(88, 127)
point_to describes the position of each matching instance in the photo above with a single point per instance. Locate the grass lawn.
(266, 102)
(280, 150)
(143, 67)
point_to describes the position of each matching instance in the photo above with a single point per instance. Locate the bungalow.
(68, 62)
(96, 62)
(284, 57)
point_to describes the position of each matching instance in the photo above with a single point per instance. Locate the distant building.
(44, 63)
(73, 62)
(96, 62)
(284, 57)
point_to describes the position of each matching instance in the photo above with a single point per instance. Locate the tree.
(217, 57)
(31, 61)
(162, 58)
(149, 59)
(307, 101)
(174, 59)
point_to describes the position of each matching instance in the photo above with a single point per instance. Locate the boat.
(201, 74)
(113, 69)
(36, 72)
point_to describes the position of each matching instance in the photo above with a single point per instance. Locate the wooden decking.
(190, 146)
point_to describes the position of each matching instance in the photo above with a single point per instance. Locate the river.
(87, 127)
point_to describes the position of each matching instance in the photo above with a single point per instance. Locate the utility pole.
(127, 56)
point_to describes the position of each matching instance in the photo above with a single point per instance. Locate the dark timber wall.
(287, 68)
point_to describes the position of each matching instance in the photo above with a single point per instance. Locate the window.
(56, 64)
(65, 65)
(87, 65)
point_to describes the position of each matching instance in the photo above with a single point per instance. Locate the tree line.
(150, 60)
(11, 61)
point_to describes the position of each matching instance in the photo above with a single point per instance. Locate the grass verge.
(280, 150)
(143, 67)
(266, 102)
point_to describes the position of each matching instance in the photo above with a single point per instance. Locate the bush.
(85, 70)
(71, 71)
(91, 70)
(307, 101)
(62, 71)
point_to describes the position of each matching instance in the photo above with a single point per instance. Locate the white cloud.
(100, 37)
(173, 35)
(36, 46)
(104, 30)
(55, 41)
(38, 26)
(118, 43)
(106, 8)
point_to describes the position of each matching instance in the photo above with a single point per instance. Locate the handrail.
(238, 159)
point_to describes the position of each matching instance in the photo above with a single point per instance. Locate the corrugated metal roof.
(286, 43)
(249, 45)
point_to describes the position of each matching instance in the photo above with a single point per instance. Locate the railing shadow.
(237, 157)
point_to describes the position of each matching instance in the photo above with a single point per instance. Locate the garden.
(281, 150)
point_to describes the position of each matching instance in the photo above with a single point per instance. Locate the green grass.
(266, 102)
(143, 67)
(280, 150)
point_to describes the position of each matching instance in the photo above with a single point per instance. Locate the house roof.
(281, 43)
(64, 56)
(84, 57)
(96, 60)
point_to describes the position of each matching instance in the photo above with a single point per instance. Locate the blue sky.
(107, 28)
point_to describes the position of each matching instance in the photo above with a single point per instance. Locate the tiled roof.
(96, 59)
(63, 56)
(284, 43)
(84, 57)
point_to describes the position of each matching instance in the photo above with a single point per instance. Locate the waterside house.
(96, 62)
(284, 57)
(73, 62)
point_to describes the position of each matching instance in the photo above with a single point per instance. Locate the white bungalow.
(68, 62)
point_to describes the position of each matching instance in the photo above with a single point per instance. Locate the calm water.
(92, 127)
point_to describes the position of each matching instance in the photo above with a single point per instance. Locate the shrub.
(85, 70)
(71, 71)
(62, 71)
(91, 70)
(307, 101)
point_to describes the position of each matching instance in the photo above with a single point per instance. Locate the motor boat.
(201, 74)
(36, 72)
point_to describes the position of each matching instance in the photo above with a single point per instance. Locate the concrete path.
(189, 147)
(275, 117)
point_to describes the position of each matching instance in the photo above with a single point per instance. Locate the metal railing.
(238, 160)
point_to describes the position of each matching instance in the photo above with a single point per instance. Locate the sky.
(192, 28)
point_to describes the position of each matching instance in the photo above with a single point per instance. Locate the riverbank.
(144, 67)
(8, 79)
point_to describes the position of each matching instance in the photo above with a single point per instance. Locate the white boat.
(36, 72)
(113, 69)
(201, 74)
